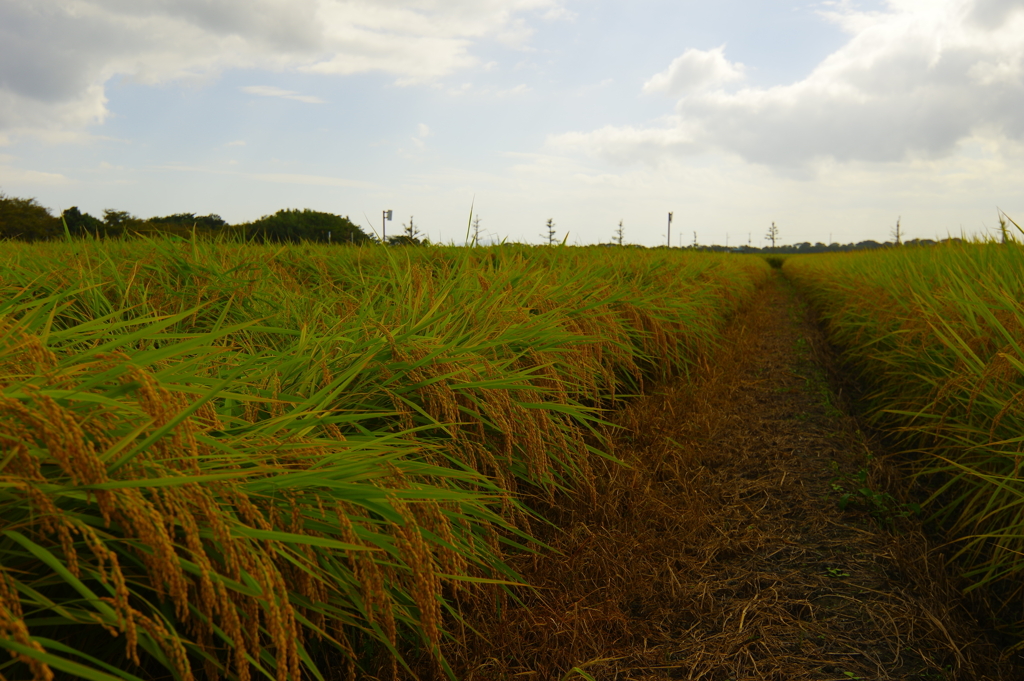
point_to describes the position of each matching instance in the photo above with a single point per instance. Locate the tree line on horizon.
(808, 247)
(27, 220)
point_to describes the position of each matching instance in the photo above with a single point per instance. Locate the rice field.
(244, 461)
(936, 337)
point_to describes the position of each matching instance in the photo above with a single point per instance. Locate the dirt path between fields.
(723, 552)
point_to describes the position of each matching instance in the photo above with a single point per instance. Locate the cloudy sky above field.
(830, 118)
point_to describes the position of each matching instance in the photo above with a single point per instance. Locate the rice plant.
(239, 461)
(937, 336)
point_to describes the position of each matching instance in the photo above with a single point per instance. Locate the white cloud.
(498, 93)
(276, 178)
(270, 91)
(10, 175)
(422, 132)
(911, 82)
(311, 180)
(57, 55)
(725, 197)
(559, 13)
(628, 144)
(515, 91)
(695, 71)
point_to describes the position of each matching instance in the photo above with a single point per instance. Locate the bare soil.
(736, 544)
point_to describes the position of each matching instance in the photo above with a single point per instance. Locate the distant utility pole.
(384, 226)
(669, 240)
(897, 233)
(550, 236)
(695, 238)
(773, 234)
(618, 234)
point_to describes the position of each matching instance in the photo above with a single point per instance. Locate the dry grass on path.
(722, 553)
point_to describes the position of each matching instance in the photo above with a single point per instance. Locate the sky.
(832, 119)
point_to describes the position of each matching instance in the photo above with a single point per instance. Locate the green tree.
(121, 221)
(26, 220)
(410, 236)
(190, 220)
(83, 224)
(897, 233)
(620, 234)
(773, 234)
(550, 235)
(476, 230)
(305, 225)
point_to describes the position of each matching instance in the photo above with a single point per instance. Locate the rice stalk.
(937, 337)
(247, 460)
